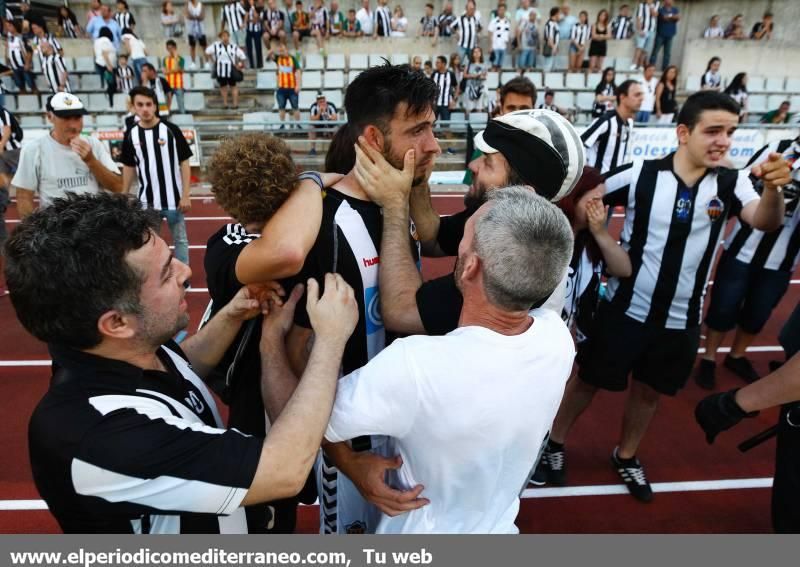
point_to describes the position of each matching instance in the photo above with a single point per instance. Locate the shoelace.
(636, 473)
(556, 460)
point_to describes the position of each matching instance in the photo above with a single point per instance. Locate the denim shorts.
(646, 42)
(290, 95)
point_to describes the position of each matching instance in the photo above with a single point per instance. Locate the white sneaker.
(192, 66)
(206, 66)
(634, 67)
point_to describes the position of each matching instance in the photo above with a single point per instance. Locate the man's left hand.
(254, 299)
(82, 148)
(185, 204)
(775, 172)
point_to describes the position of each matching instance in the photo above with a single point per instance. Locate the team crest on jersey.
(374, 321)
(161, 141)
(715, 208)
(356, 528)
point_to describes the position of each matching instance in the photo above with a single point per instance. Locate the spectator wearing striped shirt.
(321, 111)
(448, 87)
(382, 20)
(622, 24)
(752, 276)
(445, 20)
(40, 35)
(605, 93)
(54, 69)
(578, 39)
(123, 16)
(714, 30)
(550, 41)
(468, 27)
(646, 21)
(174, 65)
(676, 209)
(68, 23)
(124, 75)
(320, 24)
(155, 152)
(288, 81)
(273, 22)
(233, 16)
(429, 24)
(10, 144)
(228, 62)
(19, 56)
(254, 25)
(607, 138)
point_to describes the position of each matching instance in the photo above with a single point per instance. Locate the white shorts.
(473, 105)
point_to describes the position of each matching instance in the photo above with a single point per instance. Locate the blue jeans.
(666, 43)
(137, 68)
(526, 59)
(465, 54)
(23, 78)
(179, 96)
(254, 53)
(643, 116)
(499, 55)
(547, 63)
(177, 228)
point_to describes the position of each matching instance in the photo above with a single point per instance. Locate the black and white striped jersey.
(16, 51)
(115, 448)
(778, 250)
(14, 143)
(621, 27)
(645, 16)
(468, 29)
(447, 87)
(225, 57)
(551, 32)
(49, 38)
(272, 20)
(320, 18)
(254, 19)
(70, 28)
(327, 114)
(233, 14)
(383, 21)
(157, 153)
(580, 33)
(606, 141)
(54, 69)
(125, 20)
(125, 79)
(671, 233)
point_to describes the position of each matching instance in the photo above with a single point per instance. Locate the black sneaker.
(551, 468)
(742, 367)
(539, 477)
(632, 473)
(706, 374)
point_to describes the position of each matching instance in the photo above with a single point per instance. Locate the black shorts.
(194, 40)
(226, 82)
(304, 33)
(661, 358)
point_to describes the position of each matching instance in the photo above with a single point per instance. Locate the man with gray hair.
(467, 410)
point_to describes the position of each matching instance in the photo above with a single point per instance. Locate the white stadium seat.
(358, 61)
(336, 62)
(775, 84)
(334, 97)
(97, 102)
(311, 80)
(755, 84)
(757, 103)
(492, 80)
(90, 83)
(194, 101)
(376, 59)
(564, 99)
(554, 80)
(108, 121)
(693, 83)
(266, 80)
(576, 81)
(793, 84)
(314, 61)
(84, 64)
(334, 79)
(28, 103)
(585, 101)
(203, 82)
(307, 98)
(31, 121)
(400, 59)
(775, 100)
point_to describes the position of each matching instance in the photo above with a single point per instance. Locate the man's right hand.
(368, 472)
(385, 184)
(279, 319)
(335, 314)
(719, 412)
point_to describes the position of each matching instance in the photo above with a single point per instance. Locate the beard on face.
(399, 162)
(155, 331)
(475, 196)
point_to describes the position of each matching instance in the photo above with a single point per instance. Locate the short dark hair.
(443, 59)
(171, 43)
(624, 87)
(375, 94)
(148, 66)
(143, 91)
(701, 101)
(518, 85)
(429, 6)
(66, 265)
(105, 31)
(554, 11)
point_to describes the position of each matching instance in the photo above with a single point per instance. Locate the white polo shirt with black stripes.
(621, 27)
(671, 233)
(233, 14)
(446, 82)
(606, 141)
(13, 143)
(157, 153)
(643, 13)
(468, 29)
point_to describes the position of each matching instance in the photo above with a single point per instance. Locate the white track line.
(531, 493)
(44, 362)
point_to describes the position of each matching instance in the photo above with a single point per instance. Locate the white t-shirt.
(51, 169)
(500, 31)
(136, 46)
(365, 19)
(101, 45)
(467, 411)
(649, 99)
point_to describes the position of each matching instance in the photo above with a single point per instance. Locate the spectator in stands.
(273, 23)
(566, 21)
(428, 24)
(170, 20)
(550, 39)
(54, 69)
(10, 144)
(254, 30)
(668, 17)
(39, 35)
(763, 29)
(458, 70)
(30, 16)
(174, 65)
(500, 32)
(598, 47)
(524, 11)
(301, 25)
(321, 111)
(68, 23)
(105, 20)
(320, 24)
(469, 27)
(779, 116)
(399, 22)
(605, 93)
(549, 104)
(737, 90)
(124, 17)
(366, 17)
(427, 68)
(195, 14)
(352, 25)
(735, 29)
(622, 24)
(94, 10)
(475, 74)
(64, 160)
(288, 9)
(383, 20)
(229, 61)
(337, 19)
(124, 75)
(714, 30)
(20, 58)
(137, 51)
(4, 72)
(416, 63)
(607, 139)
(646, 22)
(447, 84)
(288, 81)
(446, 19)
(233, 15)
(578, 38)
(666, 106)
(528, 42)
(159, 85)
(711, 79)
(105, 61)
(649, 87)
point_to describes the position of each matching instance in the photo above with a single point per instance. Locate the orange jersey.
(287, 66)
(173, 69)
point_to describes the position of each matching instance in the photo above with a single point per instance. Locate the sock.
(554, 447)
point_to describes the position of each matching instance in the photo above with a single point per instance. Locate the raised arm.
(767, 213)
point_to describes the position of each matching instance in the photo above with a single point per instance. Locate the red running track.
(673, 452)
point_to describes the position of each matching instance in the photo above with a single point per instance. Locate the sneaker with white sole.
(632, 474)
(551, 468)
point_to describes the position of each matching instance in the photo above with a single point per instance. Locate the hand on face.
(383, 183)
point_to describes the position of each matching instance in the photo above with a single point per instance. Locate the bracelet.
(313, 176)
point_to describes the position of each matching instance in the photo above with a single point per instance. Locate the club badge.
(715, 208)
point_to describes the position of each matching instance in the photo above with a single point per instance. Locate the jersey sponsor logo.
(356, 528)
(374, 320)
(715, 208)
(683, 205)
(371, 261)
(195, 403)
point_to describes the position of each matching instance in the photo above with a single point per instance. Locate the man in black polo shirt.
(128, 439)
